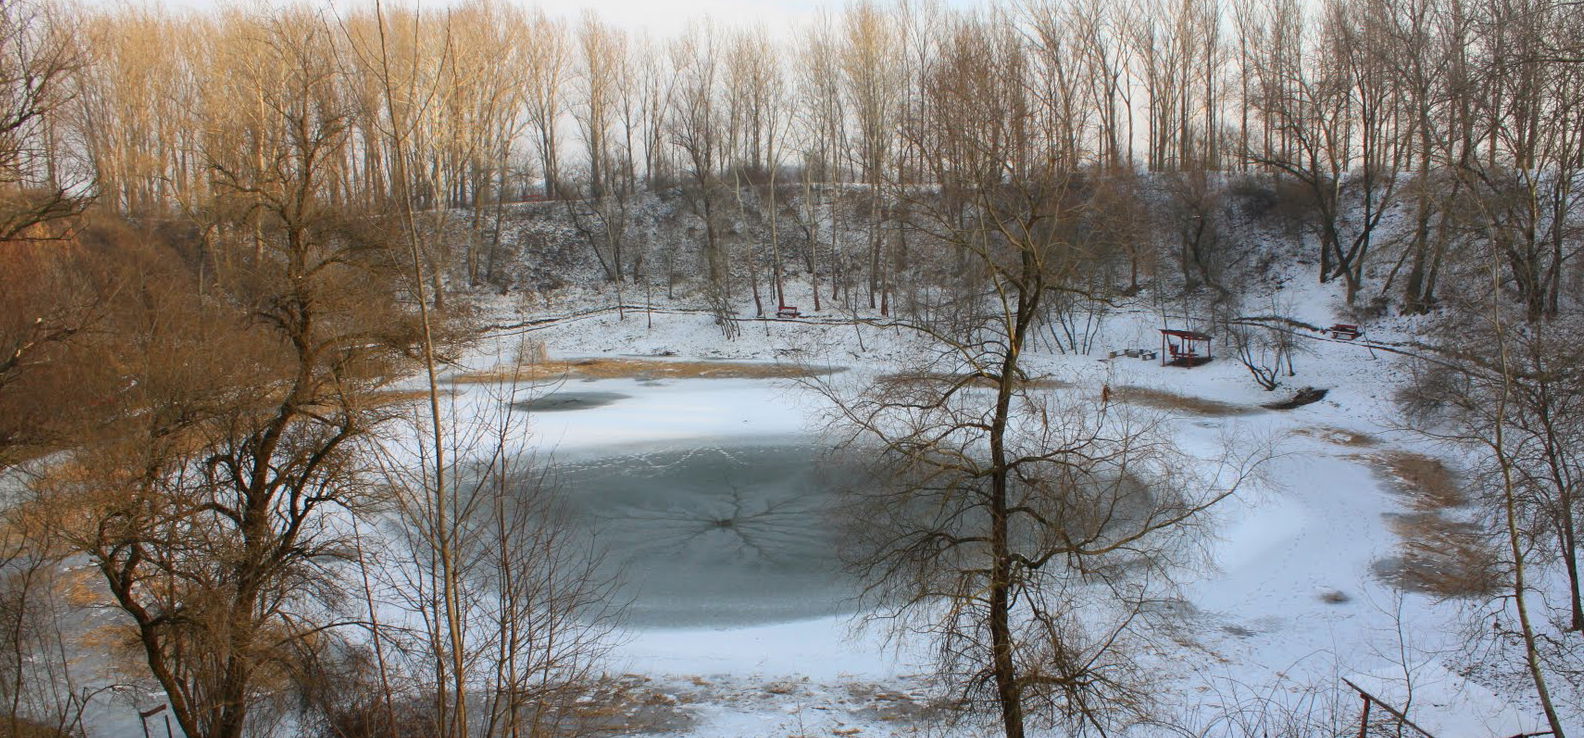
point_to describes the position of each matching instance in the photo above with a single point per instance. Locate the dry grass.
(20, 454)
(635, 369)
(25, 728)
(1163, 400)
(1438, 555)
(394, 397)
(387, 398)
(1338, 436)
(628, 704)
(380, 399)
(1441, 557)
(1426, 482)
(875, 702)
(986, 382)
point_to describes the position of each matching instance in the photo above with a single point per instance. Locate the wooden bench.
(1345, 331)
(788, 311)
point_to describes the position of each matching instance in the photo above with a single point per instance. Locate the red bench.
(788, 311)
(1345, 331)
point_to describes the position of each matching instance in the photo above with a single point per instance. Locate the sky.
(658, 17)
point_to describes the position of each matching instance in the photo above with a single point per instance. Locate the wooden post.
(1368, 698)
(144, 715)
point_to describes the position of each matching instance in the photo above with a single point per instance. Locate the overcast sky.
(660, 17)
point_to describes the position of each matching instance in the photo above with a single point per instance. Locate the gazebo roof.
(1190, 335)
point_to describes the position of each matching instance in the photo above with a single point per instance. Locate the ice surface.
(556, 402)
(711, 532)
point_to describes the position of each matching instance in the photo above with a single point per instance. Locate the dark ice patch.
(558, 402)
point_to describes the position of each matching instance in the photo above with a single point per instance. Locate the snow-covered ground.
(1292, 605)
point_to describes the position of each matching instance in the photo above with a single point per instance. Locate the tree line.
(1359, 106)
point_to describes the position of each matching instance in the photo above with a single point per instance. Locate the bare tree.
(696, 125)
(54, 298)
(872, 87)
(1516, 412)
(602, 218)
(484, 96)
(1023, 530)
(1334, 113)
(824, 134)
(41, 684)
(533, 614)
(40, 51)
(210, 518)
(136, 111)
(548, 62)
(1264, 347)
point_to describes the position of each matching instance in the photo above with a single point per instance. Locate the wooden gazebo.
(1186, 349)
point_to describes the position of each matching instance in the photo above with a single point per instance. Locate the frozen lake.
(711, 532)
(707, 496)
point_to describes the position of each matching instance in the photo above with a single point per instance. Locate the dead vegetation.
(564, 369)
(939, 379)
(629, 704)
(401, 397)
(1163, 400)
(1338, 436)
(27, 729)
(874, 702)
(1438, 554)
(1427, 483)
(633, 703)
